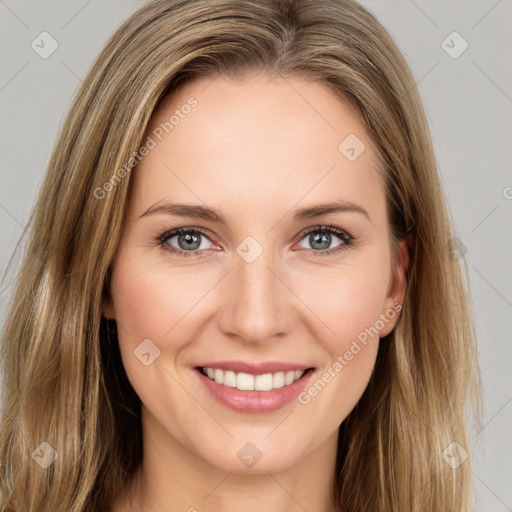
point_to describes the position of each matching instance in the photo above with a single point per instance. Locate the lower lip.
(254, 401)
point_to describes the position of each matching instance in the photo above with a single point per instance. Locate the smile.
(254, 388)
(248, 382)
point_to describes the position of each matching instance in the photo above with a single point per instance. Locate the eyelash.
(347, 238)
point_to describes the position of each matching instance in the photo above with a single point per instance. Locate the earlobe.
(107, 308)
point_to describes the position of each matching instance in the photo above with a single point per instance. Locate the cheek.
(153, 304)
(157, 303)
(150, 300)
(348, 303)
(346, 300)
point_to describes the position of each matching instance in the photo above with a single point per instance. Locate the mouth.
(252, 390)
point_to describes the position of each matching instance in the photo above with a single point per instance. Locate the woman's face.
(254, 287)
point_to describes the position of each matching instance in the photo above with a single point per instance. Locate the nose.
(258, 306)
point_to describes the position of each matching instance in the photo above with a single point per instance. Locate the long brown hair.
(63, 379)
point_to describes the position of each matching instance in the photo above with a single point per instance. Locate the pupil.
(188, 238)
(323, 238)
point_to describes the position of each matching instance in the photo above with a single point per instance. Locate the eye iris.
(188, 238)
(323, 238)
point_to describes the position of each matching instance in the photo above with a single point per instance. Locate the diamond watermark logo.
(249, 455)
(45, 455)
(249, 249)
(44, 45)
(351, 147)
(454, 45)
(146, 352)
(454, 455)
(456, 249)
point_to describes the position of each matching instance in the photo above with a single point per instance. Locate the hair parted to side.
(64, 382)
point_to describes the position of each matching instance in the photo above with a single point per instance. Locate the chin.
(252, 459)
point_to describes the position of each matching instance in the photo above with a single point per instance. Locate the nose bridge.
(257, 303)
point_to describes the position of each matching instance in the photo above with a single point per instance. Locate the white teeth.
(248, 382)
(229, 379)
(278, 380)
(263, 382)
(289, 377)
(244, 381)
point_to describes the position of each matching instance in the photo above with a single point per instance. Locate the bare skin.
(256, 151)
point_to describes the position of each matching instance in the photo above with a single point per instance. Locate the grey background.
(469, 104)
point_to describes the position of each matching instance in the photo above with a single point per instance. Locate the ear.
(107, 306)
(395, 298)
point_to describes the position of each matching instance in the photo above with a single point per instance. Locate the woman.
(178, 340)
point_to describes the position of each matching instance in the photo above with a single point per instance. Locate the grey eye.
(320, 240)
(189, 241)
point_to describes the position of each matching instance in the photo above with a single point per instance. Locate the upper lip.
(255, 368)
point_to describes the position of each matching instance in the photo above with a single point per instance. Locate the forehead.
(259, 140)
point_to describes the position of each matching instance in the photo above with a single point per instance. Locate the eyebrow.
(212, 215)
